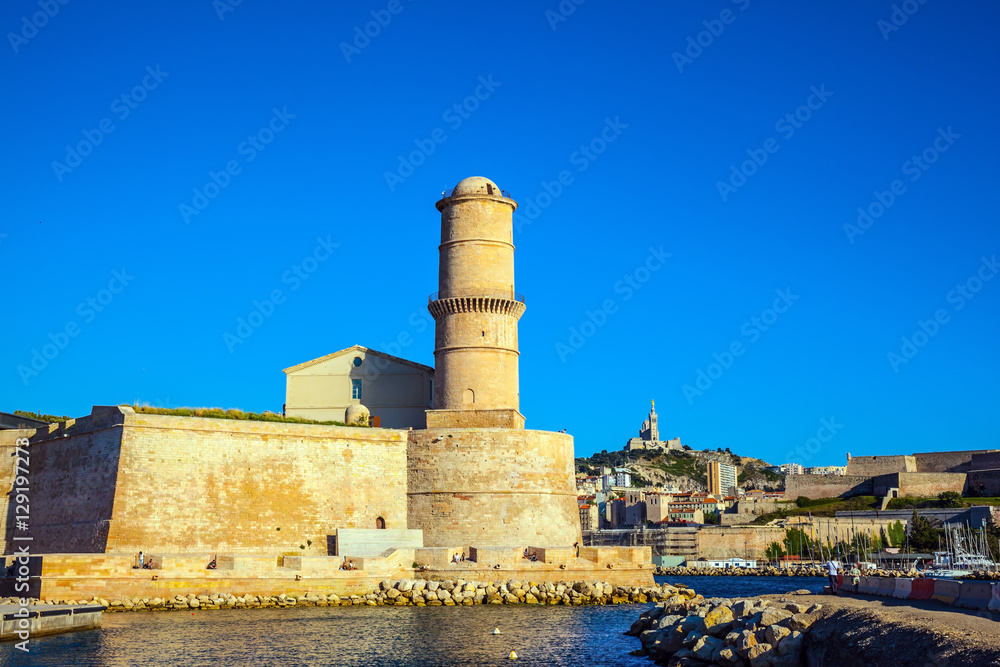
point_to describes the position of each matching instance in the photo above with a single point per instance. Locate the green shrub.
(220, 413)
(802, 501)
(950, 499)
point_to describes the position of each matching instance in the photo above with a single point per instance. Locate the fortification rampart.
(946, 461)
(492, 487)
(921, 484)
(124, 482)
(828, 486)
(871, 466)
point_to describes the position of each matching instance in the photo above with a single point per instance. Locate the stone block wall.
(920, 484)
(492, 487)
(123, 482)
(984, 483)
(72, 477)
(870, 466)
(946, 461)
(8, 443)
(828, 486)
(720, 542)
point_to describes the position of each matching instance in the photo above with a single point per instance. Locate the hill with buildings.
(684, 469)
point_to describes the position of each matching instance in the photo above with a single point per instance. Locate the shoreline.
(798, 627)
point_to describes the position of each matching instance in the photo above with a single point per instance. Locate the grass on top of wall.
(220, 413)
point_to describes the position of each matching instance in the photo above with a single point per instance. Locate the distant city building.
(656, 506)
(791, 469)
(685, 514)
(619, 479)
(721, 479)
(649, 436)
(588, 517)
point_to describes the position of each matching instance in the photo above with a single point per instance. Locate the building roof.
(357, 348)
(11, 421)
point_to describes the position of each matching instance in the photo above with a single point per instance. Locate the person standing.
(833, 569)
(855, 576)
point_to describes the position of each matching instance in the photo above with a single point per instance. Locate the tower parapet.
(476, 310)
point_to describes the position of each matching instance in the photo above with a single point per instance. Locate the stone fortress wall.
(828, 486)
(118, 481)
(871, 466)
(920, 475)
(492, 486)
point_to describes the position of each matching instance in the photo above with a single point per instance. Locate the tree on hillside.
(774, 551)
(897, 534)
(923, 536)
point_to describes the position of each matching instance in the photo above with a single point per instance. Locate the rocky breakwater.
(983, 575)
(734, 633)
(408, 592)
(771, 571)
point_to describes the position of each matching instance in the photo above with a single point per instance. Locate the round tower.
(475, 475)
(476, 310)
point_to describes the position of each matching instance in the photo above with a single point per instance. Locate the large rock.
(719, 621)
(801, 622)
(728, 657)
(707, 648)
(760, 655)
(746, 641)
(770, 616)
(667, 620)
(791, 645)
(775, 633)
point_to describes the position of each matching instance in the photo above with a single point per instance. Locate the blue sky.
(203, 151)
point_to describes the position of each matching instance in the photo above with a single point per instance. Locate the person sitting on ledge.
(525, 554)
(212, 565)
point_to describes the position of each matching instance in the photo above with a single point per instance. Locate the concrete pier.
(47, 620)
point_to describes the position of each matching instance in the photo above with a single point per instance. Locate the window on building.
(358, 361)
(431, 391)
(356, 389)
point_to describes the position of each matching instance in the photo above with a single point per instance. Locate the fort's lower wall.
(124, 482)
(985, 483)
(492, 487)
(920, 484)
(72, 474)
(720, 542)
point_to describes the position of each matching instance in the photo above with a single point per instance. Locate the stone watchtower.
(475, 475)
(476, 310)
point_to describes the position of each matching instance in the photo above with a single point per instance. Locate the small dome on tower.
(476, 185)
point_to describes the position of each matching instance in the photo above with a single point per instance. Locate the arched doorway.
(380, 523)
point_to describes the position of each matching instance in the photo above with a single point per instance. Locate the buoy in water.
(513, 655)
(496, 631)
